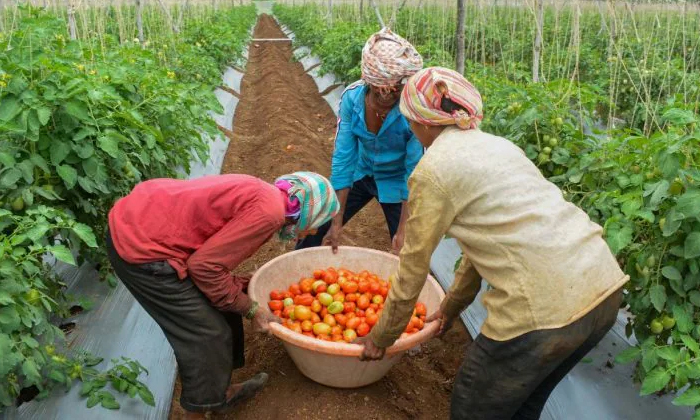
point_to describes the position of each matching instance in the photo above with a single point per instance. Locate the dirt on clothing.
(282, 125)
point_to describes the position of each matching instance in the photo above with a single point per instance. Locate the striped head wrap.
(422, 97)
(387, 59)
(317, 201)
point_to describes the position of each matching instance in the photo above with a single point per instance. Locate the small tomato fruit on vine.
(656, 326)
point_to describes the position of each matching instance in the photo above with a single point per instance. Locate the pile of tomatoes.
(337, 305)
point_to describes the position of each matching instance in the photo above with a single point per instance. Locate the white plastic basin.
(330, 363)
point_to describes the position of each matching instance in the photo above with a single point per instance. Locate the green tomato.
(335, 308)
(553, 142)
(656, 326)
(18, 204)
(32, 296)
(333, 289)
(662, 223)
(325, 299)
(676, 188)
(645, 272)
(651, 261)
(558, 121)
(667, 322)
(317, 284)
(635, 169)
(322, 328)
(547, 150)
(288, 302)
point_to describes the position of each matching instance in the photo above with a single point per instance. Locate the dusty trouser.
(512, 379)
(208, 344)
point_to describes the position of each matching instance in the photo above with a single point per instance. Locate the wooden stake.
(459, 36)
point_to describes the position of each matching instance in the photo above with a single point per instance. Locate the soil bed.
(283, 125)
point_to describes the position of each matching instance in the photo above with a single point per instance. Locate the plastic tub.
(329, 363)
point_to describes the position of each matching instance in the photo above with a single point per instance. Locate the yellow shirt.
(545, 260)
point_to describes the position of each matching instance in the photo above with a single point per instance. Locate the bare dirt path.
(283, 125)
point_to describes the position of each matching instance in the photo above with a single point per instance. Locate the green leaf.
(10, 177)
(691, 397)
(669, 353)
(27, 168)
(57, 376)
(146, 396)
(86, 234)
(78, 110)
(110, 404)
(7, 160)
(684, 322)
(62, 254)
(628, 355)
(91, 361)
(671, 273)
(655, 381)
(58, 151)
(692, 245)
(85, 388)
(694, 297)
(619, 238)
(31, 372)
(93, 400)
(38, 231)
(44, 115)
(657, 293)
(40, 162)
(10, 108)
(68, 174)
(688, 204)
(650, 358)
(690, 343)
(660, 192)
(109, 144)
(132, 390)
(30, 341)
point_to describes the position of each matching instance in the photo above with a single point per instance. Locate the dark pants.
(513, 379)
(208, 344)
(361, 193)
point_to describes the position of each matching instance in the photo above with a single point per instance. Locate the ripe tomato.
(337, 338)
(275, 305)
(296, 327)
(315, 318)
(287, 294)
(363, 329)
(323, 312)
(352, 297)
(325, 299)
(330, 320)
(309, 334)
(422, 318)
(360, 313)
(370, 311)
(333, 289)
(363, 302)
(420, 309)
(372, 319)
(336, 329)
(316, 306)
(408, 328)
(350, 316)
(383, 291)
(339, 297)
(378, 299)
(349, 307)
(307, 325)
(276, 295)
(363, 286)
(294, 289)
(341, 319)
(278, 314)
(415, 322)
(353, 323)
(302, 313)
(306, 299)
(320, 287)
(286, 311)
(324, 337)
(374, 288)
(318, 274)
(350, 287)
(330, 278)
(321, 328)
(349, 335)
(373, 305)
(306, 285)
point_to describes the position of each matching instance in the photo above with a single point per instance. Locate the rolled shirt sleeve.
(414, 151)
(345, 154)
(431, 214)
(211, 265)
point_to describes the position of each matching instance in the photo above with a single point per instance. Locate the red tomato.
(341, 319)
(307, 325)
(350, 287)
(320, 288)
(323, 312)
(363, 302)
(378, 299)
(383, 291)
(294, 289)
(306, 285)
(287, 294)
(373, 305)
(349, 336)
(286, 311)
(309, 334)
(324, 337)
(415, 322)
(330, 278)
(353, 323)
(296, 327)
(349, 307)
(337, 338)
(363, 329)
(360, 313)
(363, 286)
(420, 309)
(336, 329)
(315, 318)
(330, 320)
(372, 319)
(408, 328)
(350, 316)
(370, 311)
(316, 306)
(302, 313)
(318, 274)
(306, 299)
(339, 297)
(422, 318)
(352, 297)
(374, 288)
(276, 295)
(278, 314)
(275, 305)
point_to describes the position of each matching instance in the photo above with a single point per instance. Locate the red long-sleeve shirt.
(204, 228)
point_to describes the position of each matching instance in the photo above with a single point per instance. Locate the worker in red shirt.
(173, 243)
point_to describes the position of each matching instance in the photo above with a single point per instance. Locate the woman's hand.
(371, 350)
(332, 238)
(261, 321)
(397, 242)
(445, 321)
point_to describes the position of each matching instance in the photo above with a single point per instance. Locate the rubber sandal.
(250, 388)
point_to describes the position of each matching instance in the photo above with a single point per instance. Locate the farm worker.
(555, 285)
(174, 243)
(375, 150)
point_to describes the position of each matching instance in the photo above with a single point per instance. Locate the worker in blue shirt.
(375, 150)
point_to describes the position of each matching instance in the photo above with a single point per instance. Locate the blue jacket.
(389, 156)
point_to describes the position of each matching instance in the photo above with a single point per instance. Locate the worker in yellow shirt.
(555, 285)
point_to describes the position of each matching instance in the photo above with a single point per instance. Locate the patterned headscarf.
(317, 200)
(423, 94)
(387, 59)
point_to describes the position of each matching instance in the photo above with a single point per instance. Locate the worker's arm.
(414, 151)
(430, 215)
(211, 265)
(464, 289)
